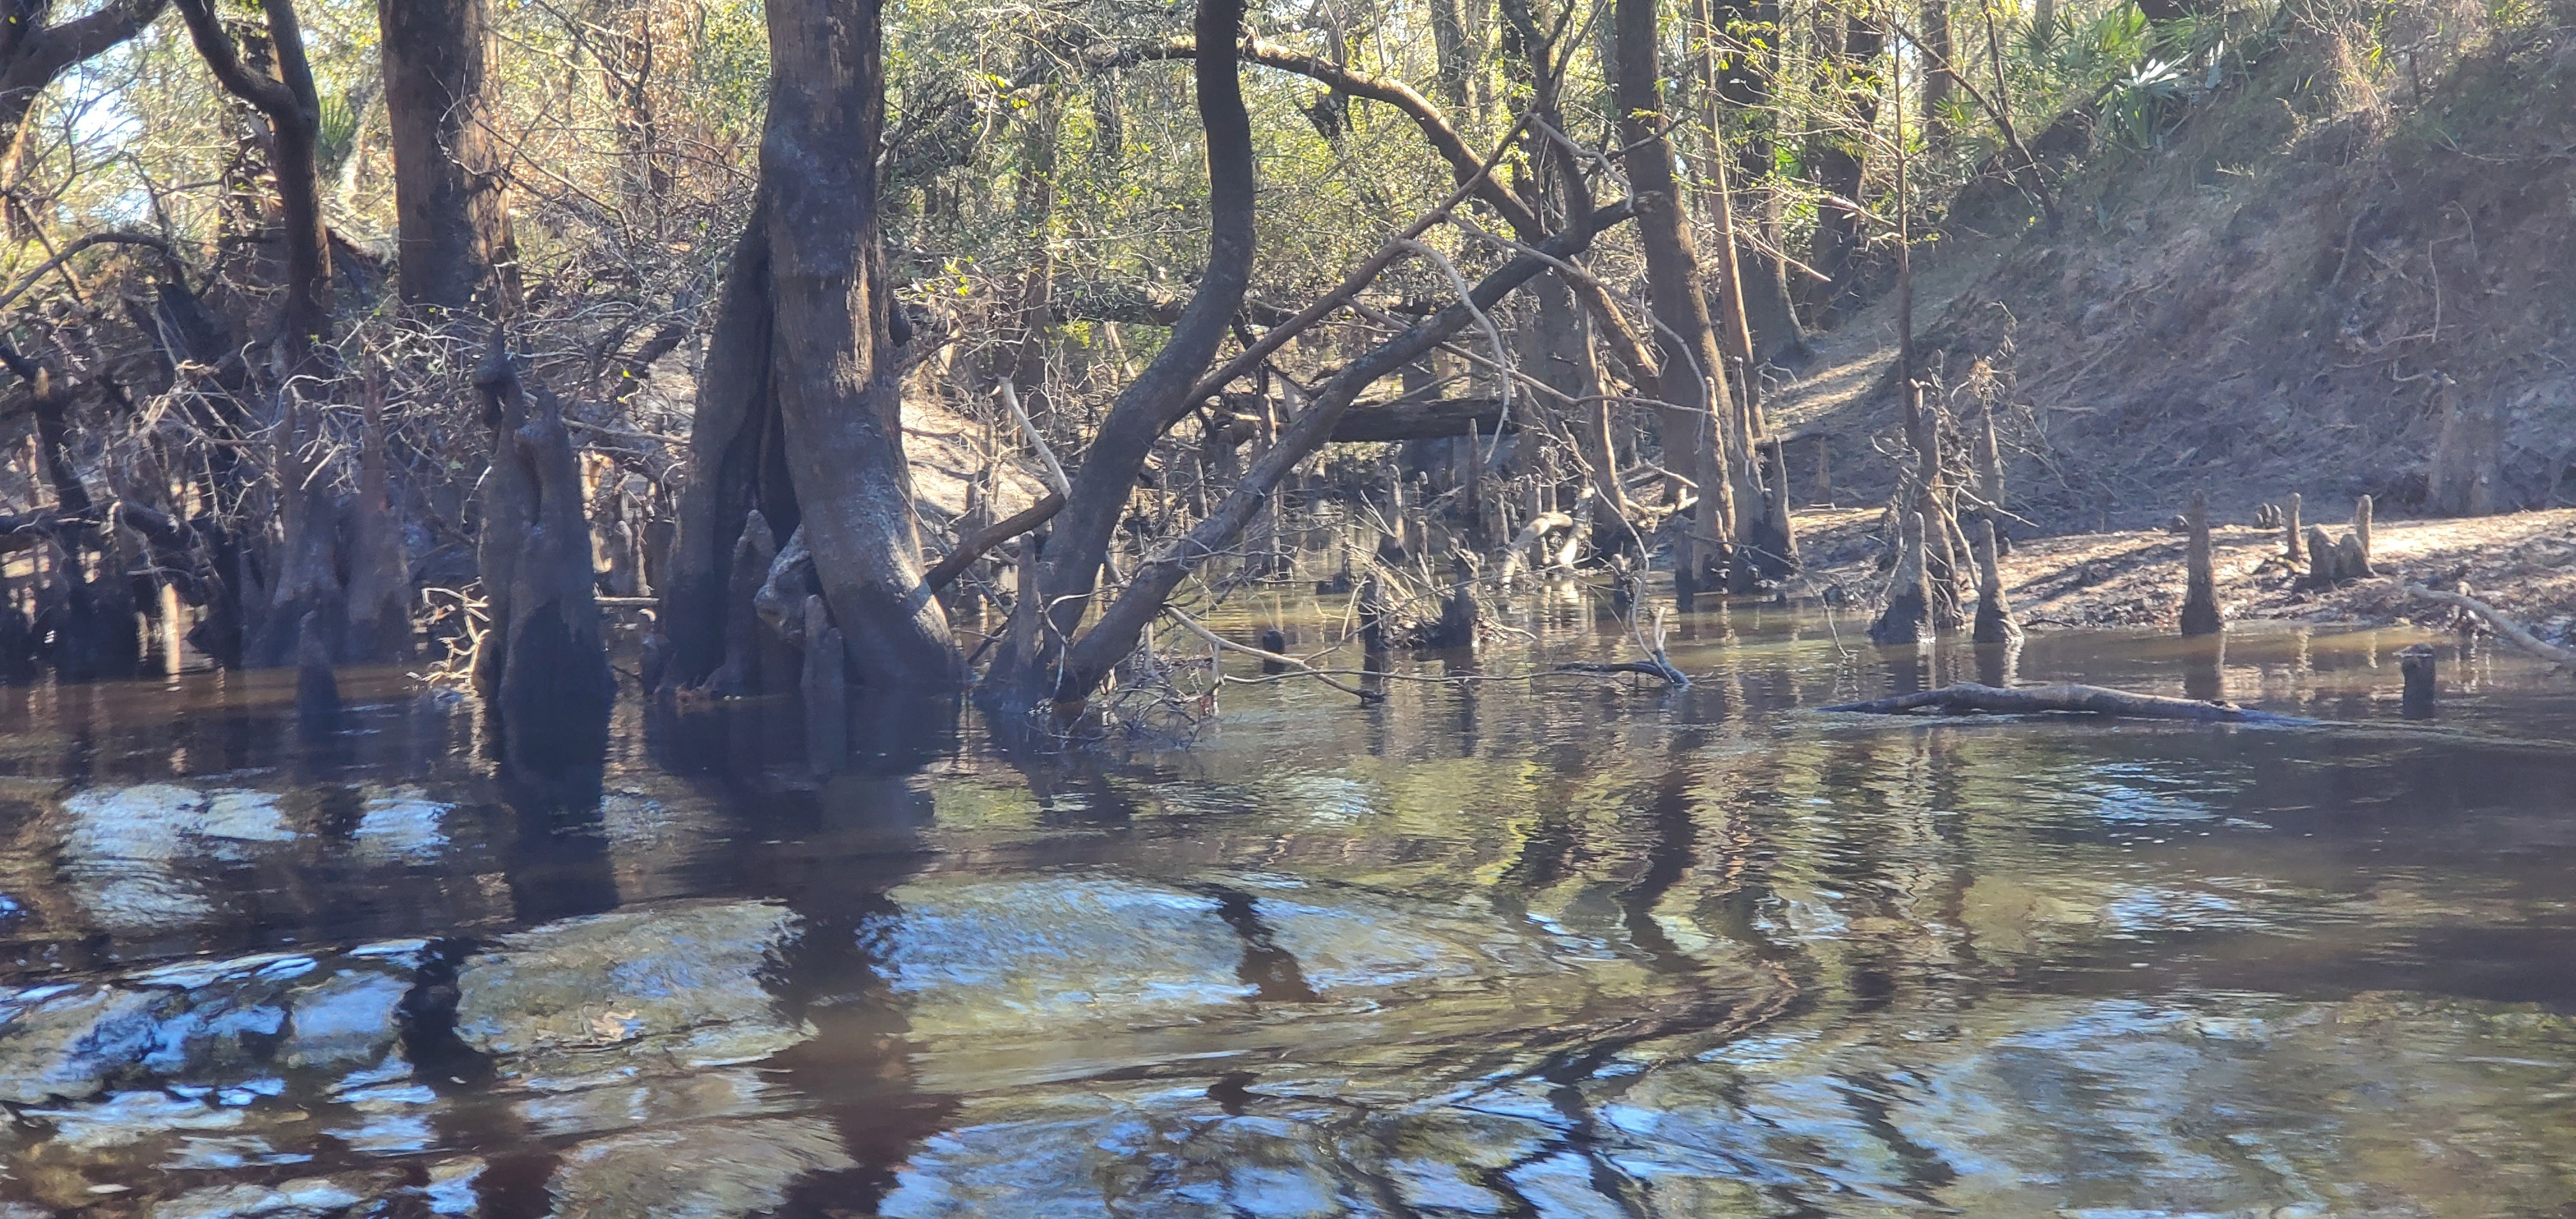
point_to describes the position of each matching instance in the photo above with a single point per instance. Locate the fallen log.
(1965, 697)
(2512, 631)
(1367, 422)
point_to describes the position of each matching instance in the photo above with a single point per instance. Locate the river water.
(1556, 947)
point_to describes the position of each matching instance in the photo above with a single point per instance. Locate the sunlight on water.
(1505, 946)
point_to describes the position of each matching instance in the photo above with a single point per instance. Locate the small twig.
(1055, 479)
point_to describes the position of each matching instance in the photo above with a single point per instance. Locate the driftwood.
(2200, 597)
(2506, 628)
(1966, 697)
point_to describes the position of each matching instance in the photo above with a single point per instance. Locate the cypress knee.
(2321, 558)
(317, 688)
(1994, 615)
(2416, 663)
(2361, 535)
(1908, 616)
(2290, 530)
(2200, 598)
(826, 686)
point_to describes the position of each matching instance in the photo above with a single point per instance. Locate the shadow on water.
(1490, 945)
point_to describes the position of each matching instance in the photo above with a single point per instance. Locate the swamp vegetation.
(807, 607)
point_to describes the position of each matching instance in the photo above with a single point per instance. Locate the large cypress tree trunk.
(799, 411)
(454, 220)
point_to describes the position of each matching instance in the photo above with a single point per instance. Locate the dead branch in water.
(1278, 658)
(1968, 697)
(973, 548)
(2513, 632)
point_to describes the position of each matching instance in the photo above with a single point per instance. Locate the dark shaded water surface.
(1528, 948)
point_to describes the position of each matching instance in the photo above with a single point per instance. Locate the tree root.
(1967, 697)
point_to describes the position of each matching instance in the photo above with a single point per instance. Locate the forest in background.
(426, 331)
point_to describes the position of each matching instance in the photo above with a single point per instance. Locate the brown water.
(1553, 948)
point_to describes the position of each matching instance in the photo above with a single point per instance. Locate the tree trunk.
(294, 113)
(453, 217)
(1069, 571)
(2468, 457)
(1937, 79)
(1701, 414)
(1835, 160)
(799, 412)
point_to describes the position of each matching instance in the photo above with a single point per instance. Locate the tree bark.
(543, 667)
(294, 113)
(1069, 570)
(833, 370)
(453, 217)
(1694, 383)
(799, 411)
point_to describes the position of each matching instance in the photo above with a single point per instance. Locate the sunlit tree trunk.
(799, 412)
(1698, 423)
(453, 218)
(1852, 83)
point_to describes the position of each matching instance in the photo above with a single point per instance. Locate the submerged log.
(1969, 697)
(2200, 614)
(1908, 616)
(1995, 624)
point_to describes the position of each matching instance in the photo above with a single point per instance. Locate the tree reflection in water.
(1491, 948)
